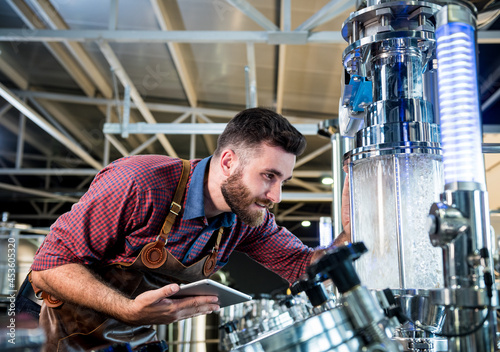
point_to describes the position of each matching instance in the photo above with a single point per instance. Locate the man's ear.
(228, 162)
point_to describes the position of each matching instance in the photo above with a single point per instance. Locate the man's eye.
(269, 176)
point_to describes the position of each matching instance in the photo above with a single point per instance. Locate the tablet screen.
(227, 295)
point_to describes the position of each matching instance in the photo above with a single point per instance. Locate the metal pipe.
(337, 161)
(399, 223)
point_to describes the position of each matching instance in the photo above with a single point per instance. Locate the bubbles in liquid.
(384, 205)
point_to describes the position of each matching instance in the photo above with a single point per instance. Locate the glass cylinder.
(390, 200)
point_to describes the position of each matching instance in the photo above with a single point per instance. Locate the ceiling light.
(327, 180)
(306, 223)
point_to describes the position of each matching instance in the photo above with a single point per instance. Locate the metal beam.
(144, 145)
(130, 36)
(252, 100)
(113, 15)
(280, 88)
(488, 37)
(188, 128)
(290, 210)
(55, 21)
(126, 81)
(50, 172)
(32, 138)
(38, 193)
(60, 120)
(313, 155)
(58, 51)
(116, 143)
(91, 172)
(12, 177)
(42, 123)
(118, 69)
(20, 141)
(144, 36)
(490, 81)
(162, 16)
(312, 173)
(27, 156)
(491, 100)
(160, 107)
(254, 14)
(14, 74)
(210, 141)
(306, 185)
(306, 197)
(286, 15)
(326, 13)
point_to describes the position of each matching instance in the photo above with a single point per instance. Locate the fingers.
(155, 306)
(154, 296)
(342, 238)
(345, 209)
(193, 306)
(169, 290)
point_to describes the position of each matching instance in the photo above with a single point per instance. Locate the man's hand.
(345, 213)
(154, 307)
(76, 284)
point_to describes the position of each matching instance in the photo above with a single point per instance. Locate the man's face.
(256, 186)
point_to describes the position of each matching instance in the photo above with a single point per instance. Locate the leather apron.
(71, 327)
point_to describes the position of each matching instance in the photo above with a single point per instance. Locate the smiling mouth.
(266, 205)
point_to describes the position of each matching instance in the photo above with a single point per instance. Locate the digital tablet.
(227, 295)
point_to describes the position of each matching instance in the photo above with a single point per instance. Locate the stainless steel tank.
(395, 167)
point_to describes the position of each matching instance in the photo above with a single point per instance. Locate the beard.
(239, 199)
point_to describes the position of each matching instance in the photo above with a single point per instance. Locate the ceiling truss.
(131, 114)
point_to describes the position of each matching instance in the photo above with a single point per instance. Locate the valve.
(338, 265)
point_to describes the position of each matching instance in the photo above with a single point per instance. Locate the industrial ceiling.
(72, 70)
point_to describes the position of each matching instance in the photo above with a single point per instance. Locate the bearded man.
(147, 223)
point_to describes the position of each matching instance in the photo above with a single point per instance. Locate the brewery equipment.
(418, 198)
(412, 106)
(357, 323)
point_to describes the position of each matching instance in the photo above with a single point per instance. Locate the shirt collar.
(195, 206)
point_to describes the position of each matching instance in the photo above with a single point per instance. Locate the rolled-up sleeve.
(277, 249)
(92, 228)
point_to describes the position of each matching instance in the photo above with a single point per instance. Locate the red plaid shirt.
(125, 208)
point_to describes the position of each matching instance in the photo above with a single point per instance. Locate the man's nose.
(274, 194)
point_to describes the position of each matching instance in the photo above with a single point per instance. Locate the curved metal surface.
(328, 331)
(391, 149)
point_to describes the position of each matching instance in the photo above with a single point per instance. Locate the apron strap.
(209, 266)
(49, 299)
(153, 255)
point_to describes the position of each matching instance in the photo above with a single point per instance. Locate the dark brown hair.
(252, 127)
